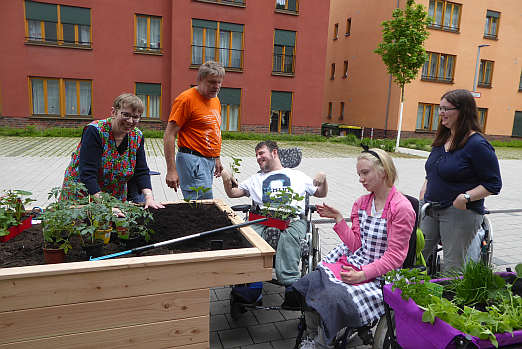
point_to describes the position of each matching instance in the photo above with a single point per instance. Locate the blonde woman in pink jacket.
(344, 291)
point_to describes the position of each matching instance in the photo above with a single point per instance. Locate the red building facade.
(63, 62)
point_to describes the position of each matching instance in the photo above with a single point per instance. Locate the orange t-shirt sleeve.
(179, 111)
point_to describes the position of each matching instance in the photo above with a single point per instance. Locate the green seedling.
(280, 204)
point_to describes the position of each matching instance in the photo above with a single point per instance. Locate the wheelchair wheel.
(486, 248)
(381, 337)
(316, 247)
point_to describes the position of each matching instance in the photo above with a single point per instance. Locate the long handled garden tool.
(172, 241)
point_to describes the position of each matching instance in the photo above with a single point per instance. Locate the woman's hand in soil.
(117, 212)
(351, 276)
(329, 212)
(150, 202)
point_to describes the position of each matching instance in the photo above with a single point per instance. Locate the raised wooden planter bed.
(157, 301)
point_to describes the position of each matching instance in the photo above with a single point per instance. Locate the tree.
(402, 49)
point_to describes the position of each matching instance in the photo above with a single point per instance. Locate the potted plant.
(133, 228)
(13, 217)
(279, 209)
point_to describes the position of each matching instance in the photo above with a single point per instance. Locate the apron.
(115, 169)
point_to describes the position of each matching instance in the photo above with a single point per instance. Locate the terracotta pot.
(53, 255)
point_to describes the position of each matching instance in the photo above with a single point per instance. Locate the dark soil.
(174, 221)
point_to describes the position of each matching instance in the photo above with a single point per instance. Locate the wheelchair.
(310, 246)
(365, 333)
(483, 245)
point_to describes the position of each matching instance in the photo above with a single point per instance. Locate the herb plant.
(280, 204)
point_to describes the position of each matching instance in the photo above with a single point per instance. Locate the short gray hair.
(210, 68)
(128, 100)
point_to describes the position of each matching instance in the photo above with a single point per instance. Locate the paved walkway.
(37, 165)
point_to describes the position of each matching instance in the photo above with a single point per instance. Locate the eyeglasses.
(127, 116)
(445, 109)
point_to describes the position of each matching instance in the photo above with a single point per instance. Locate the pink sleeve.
(351, 237)
(399, 227)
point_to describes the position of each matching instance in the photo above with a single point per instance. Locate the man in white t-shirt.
(273, 178)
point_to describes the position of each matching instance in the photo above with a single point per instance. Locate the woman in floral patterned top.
(111, 152)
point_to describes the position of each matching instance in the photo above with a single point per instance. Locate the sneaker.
(247, 295)
(293, 300)
(307, 344)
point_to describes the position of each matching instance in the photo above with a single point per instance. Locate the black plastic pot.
(94, 250)
(133, 242)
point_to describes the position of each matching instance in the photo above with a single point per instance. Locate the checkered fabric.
(271, 236)
(368, 296)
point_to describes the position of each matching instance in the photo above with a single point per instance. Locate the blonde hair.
(383, 163)
(128, 100)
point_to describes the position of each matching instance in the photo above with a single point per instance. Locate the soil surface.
(174, 221)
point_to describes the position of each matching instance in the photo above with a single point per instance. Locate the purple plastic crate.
(412, 333)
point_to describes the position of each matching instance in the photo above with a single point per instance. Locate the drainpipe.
(389, 96)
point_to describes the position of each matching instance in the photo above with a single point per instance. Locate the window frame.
(520, 83)
(330, 107)
(438, 78)
(482, 71)
(285, 10)
(441, 26)
(280, 113)
(234, 3)
(336, 31)
(482, 113)
(148, 49)
(345, 70)
(146, 111)
(348, 27)
(59, 42)
(284, 55)
(489, 35)
(228, 105)
(431, 128)
(217, 48)
(332, 71)
(61, 97)
(341, 111)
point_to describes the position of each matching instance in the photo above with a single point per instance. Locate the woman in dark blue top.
(461, 171)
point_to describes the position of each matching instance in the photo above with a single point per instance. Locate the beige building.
(359, 91)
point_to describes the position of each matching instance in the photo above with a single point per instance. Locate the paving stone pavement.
(38, 164)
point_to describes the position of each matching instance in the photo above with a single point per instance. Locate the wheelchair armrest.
(312, 208)
(243, 208)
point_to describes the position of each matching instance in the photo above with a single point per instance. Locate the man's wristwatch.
(467, 197)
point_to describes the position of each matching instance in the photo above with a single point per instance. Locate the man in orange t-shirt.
(195, 119)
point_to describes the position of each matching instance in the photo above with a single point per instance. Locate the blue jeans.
(195, 171)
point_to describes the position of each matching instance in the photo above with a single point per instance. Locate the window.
(230, 99)
(491, 27)
(439, 67)
(348, 27)
(520, 83)
(147, 34)
(332, 72)
(485, 73)
(336, 31)
(281, 111)
(445, 15)
(226, 2)
(329, 110)
(53, 96)
(427, 117)
(57, 24)
(217, 41)
(284, 52)
(483, 116)
(150, 94)
(345, 71)
(287, 5)
(341, 111)
(517, 124)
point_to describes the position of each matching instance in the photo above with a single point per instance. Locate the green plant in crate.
(6, 220)
(98, 216)
(200, 191)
